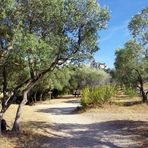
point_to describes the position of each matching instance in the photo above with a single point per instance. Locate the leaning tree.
(44, 35)
(132, 61)
(139, 30)
(130, 69)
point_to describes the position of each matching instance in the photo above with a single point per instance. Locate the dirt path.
(101, 129)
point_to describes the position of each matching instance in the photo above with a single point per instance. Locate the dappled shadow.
(131, 103)
(113, 134)
(27, 139)
(72, 101)
(128, 103)
(127, 100)
(58, 110)
(78, 143)
(65, 97)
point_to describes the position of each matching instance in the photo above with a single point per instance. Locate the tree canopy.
(139, 26)
(37, 37)
(131, 62)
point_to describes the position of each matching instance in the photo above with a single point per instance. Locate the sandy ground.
(54, 125)
(109, 127)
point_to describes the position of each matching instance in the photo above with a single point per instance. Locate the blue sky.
(117, 32)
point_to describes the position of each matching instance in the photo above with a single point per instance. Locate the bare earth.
(111, 128)
(108, 127)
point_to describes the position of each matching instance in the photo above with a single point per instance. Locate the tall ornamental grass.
(97, 96)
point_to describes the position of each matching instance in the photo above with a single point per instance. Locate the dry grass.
(125, 100)
(36, 125)
(32, 135)
(122, 106)
(123, 110)
(146, 85)
(26, 139)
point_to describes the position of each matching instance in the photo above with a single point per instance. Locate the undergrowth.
(97, 96)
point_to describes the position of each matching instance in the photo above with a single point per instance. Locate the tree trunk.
(4, 81)
(50, 92)
(31, 84)
(4, 99)
(144, 96)
(41, 96)
(35, 97)
(140, 79)
(1, 117)
(16, 125)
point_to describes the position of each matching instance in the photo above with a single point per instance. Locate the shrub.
(129, 91)
(97, 96)
(85, 97)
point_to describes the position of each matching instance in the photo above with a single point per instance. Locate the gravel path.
(93, 129)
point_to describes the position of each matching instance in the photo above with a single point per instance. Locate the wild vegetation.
(132, 61)
(130, 66)
(46, 48)
(92, 97)
(38, 38)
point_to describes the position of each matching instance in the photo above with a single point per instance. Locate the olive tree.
(130, 69)
(48, 33)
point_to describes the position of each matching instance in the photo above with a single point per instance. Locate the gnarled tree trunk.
(144, 96)
(1, 117)
(29, 86)
(140, 79)
(4, 99)
(16, 125)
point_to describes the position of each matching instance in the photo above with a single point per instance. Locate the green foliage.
(61, 78)
(138, 26)
(47, 33)
(127, 60)
(88, 76)
(37, 37)
(85, 99)
(129, 91)
(132, 61)
(133, 58)
(97, 96)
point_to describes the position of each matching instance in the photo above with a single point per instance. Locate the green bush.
(129, 91)
(97, 96)
(85, 96)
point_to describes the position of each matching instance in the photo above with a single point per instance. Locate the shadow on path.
(71, 105)
(58, 110)
(111, 134)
